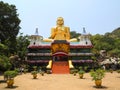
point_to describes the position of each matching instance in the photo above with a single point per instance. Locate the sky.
(97, 16)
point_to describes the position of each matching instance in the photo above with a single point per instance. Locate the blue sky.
(97, 16)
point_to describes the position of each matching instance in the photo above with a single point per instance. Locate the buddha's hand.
(53, 35)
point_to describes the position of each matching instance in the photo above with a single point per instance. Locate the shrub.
(34, 72)
(97, 74)
(10, 74)
(4, 63)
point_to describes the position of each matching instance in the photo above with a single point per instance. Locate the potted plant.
(98, 75)
(25, 71)
(81, 72)
(73, 71)
(10, 77)
(42, 73)
(111, 70)
(35, 68)
(118, 71)
(49, 71)
(34, 73)
(86, 68)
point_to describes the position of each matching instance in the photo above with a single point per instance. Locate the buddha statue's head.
(60, 21)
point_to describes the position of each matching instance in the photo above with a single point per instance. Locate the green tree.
(116, 33)
(109, 42)
(9, 25)
(117, 43)
(74, 34)
(22, 44)
(96, 41)
(4, 63)
(3, 49)
(114, 52)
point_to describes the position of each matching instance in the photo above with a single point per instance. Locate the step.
(60, 67)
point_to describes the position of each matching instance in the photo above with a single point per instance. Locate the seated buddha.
(60, 32)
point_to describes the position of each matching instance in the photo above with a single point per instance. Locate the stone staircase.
(60, 67)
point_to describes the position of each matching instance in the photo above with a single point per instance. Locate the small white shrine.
(36, 39)
(85, 38)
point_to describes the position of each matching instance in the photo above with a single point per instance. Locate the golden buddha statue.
(60, 32)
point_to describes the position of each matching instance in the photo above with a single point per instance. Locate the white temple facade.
(36, 39)
(85, 38)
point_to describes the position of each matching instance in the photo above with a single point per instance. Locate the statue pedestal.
(60, 46)
(60, 50)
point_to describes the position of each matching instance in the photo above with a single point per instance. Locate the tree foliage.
(116, 33)
(109, 42)
(22, 44)
(4, 63)
(9, 25)
(74, 34)
(3, 49)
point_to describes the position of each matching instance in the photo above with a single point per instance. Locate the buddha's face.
(60, 21)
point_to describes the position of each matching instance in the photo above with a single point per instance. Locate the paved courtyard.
(62, 82)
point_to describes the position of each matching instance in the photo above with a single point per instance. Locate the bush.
(98, 74)
(35, 68)
(34, 72)
(81, 71)
(10, 74)
(118, 71)
(4, 63)
(72, 71)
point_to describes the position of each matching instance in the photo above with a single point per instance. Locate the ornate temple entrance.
(60, 50)
(60, 56)
(60, 63)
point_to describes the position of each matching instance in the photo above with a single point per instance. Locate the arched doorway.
(60, 56)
